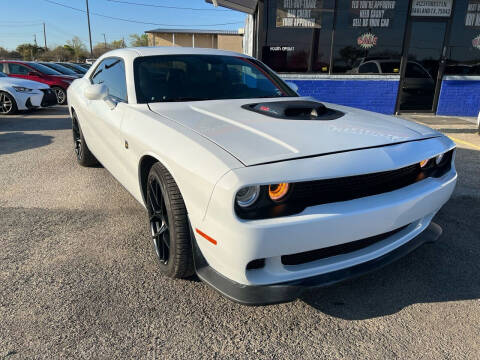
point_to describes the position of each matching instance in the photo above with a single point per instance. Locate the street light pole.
(105, 41)
(89, 30)
(45, 36)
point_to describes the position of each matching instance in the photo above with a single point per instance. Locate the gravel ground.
(78, 277)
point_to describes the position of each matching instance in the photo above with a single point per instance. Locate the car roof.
(168, 50)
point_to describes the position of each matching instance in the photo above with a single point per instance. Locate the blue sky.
(21, 19)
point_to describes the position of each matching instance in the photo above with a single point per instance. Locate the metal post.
(105, 41)
(89, 30)
(193, 40)
(45, 36)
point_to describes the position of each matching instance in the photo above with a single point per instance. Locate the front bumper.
(49, 98)
(290, 290)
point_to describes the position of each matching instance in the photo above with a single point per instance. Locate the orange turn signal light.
(423, 163)
(278, 191)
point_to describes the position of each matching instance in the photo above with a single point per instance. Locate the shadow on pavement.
(38, 120)
(447, 270)
(18, 141)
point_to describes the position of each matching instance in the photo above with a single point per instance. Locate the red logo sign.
(367, 40)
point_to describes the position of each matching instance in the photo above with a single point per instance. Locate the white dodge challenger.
(260, 192)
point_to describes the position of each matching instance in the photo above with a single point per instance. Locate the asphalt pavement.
(79, 279)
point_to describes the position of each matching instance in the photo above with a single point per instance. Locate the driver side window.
(17, 69)
(111, 72)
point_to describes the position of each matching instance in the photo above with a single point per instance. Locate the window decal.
(367, 41)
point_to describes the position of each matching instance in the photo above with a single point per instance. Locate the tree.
(29, 51)
(59, 53)
(138, 40)
(77, 48)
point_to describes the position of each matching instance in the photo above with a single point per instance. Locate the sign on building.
(432, 8)
(472, 19)
(371, 14)
(299, 13)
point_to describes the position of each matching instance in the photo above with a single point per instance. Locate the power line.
(134, 21)
(164, 6)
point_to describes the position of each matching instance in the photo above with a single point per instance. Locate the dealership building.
(392, 56)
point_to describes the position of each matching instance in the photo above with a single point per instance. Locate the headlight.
(278, 192)
(247, 196)
(22, 89)
(424, 163)
(438, 159)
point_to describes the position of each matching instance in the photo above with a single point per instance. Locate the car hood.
(254, 138)
(11, 81)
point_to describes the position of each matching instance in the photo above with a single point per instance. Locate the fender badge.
(126, 144)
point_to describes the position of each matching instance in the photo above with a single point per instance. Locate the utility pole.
(123, 41)
(45, 36)
(89, 30)
(105, 41)
(35, 39)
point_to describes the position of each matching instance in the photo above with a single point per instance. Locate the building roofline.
(196, 31)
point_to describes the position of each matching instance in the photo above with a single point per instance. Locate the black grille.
(318, 192)
(309, 256)
(354, 187)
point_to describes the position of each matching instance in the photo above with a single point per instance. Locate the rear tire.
(82, 152)
(61, 95)
(169, 224)
(8, 106)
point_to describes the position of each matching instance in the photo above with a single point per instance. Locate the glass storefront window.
(463, 52)
(369, 31)
(299, 35)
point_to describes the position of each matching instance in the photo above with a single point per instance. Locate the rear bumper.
(288, 291)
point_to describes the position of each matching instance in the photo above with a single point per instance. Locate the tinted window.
(204, 77)
(299, 35)
(367, 30)
(415, 71)
(44, 69)
(464, 44)
(17, 69)
(111, 72)
(390, 67)
(60, 68)
(368, 68)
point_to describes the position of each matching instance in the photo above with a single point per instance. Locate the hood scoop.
(295, 110)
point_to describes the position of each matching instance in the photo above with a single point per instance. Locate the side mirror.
(96, 92)
(292, 86)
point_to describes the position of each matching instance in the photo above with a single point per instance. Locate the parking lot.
(78, 275)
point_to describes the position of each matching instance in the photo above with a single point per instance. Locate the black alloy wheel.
(77, 140)
(82, 152)
(169, 225)
(158, 221)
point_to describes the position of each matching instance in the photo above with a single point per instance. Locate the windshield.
(167, 78)
(60, 68)
(44, 69)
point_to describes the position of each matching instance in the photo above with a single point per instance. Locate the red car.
(41, 73)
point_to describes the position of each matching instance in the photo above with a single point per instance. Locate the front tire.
(8, 106)
(82, 152)
(61, 95)
(169, 224)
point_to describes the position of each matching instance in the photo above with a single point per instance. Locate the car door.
(19, 71)
(105, 116)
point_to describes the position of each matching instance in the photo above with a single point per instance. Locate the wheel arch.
(144, 166)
